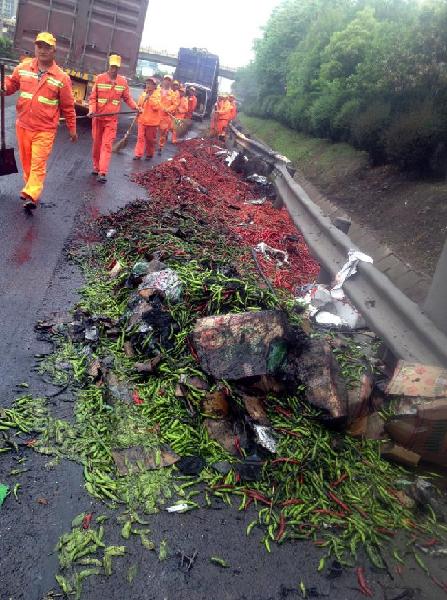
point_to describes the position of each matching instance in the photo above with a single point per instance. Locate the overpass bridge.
(164, 58)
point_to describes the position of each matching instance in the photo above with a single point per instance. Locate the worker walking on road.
(45, 93)
(222, 116)
(149, 120)
(180, 113)
(168, 101)
(107, 93)
(176, 89)
(233, 113)
(192, 102)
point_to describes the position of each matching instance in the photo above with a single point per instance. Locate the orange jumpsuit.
(180, 113)
(213, 121)
(176, 102)
(192, 103)
(42, 99)
(223, 112)
(148, 123)
(233, 113)
(106, 97)
(168, 104)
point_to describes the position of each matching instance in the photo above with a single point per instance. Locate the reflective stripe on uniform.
(120, 88)
(104, 86)
(25, 73)
(102, 100)
(47, 101)
(26, 95)
(55, 82)
(116, 102)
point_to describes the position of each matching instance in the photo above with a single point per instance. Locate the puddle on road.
(23, 252)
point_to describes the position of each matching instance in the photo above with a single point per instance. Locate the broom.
(122, 143)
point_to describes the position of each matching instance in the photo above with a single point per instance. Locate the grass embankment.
(404, 211)
(318, 159)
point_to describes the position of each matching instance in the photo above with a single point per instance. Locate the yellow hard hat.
(115, 60)
(175, 82)
(47, 37)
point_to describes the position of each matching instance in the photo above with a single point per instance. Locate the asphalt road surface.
(36, 279)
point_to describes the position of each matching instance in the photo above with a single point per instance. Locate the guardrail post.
(342, 224)
(435, 305)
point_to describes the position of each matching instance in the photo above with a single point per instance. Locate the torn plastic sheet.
(264, 437)
(279, 255)
(350, 267)
(326, 318)
(231, 157)
(257, 202)
(166, 281)
(178, 508)
(258, 179)
(330, 307)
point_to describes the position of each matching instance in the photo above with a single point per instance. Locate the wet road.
(31, 246)
(36, 279)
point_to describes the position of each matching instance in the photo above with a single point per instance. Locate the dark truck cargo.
(87, 31)
(199, 68)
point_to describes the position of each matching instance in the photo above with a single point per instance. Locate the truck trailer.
(87, 32)
(199, 68)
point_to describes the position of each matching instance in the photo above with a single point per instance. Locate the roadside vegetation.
(371, 73)
(5, 47)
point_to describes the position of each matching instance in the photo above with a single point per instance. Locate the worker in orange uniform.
(149, 120)
(223, 113)
(168, 106)
(233, 113)
(192, 102)
(176, 90)
(44, 94)
(213, 121)
(181, 112)
(107, 93)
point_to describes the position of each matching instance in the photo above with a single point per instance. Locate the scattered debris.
(320, 373)
(191, 465)
(350, 267)
(178, 508)
(280, 256)
(418, 380)
(265, 438)
(165, 281)
(116, 270)
(131, 460)
(219, 561)
(187, 562)
(242, 345)
(4, 490)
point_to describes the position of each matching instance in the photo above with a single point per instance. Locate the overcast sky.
(226, 28)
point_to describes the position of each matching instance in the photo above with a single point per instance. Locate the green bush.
(367, 130)
(5, 47)
(342, 122)
(412, 138)
(322, 111)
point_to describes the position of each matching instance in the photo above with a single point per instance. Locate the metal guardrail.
(405, 329)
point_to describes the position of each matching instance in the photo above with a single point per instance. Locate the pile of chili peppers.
(198, 177)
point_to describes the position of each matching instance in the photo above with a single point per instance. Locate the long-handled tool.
(7, 159)
(125, 112)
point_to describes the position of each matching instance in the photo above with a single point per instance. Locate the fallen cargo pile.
(198, 177)
(195, 383)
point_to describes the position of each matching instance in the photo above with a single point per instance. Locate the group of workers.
(163, 105)
(45, 95)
